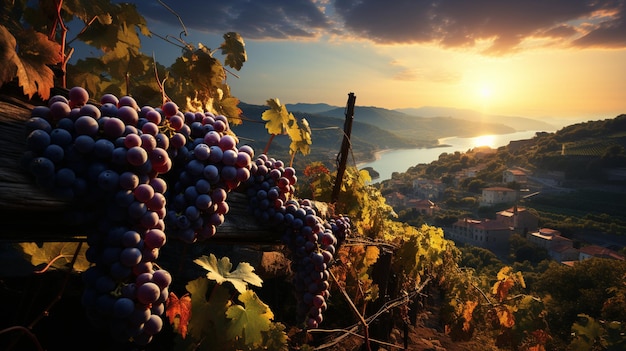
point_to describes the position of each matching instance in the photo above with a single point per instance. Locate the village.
(495, 230)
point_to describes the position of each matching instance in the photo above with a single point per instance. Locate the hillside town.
(493, 232)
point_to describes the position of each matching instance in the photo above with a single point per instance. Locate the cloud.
(268, 19)
(505, 25)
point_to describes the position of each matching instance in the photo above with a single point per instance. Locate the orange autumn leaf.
(506, 318)
(501, 288)
(178, 311)
(467, 314)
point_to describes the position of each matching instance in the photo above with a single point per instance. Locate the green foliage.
(220, 271)
(221, 320)
(592, 334)
(583, 288)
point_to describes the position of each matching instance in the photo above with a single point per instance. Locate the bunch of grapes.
(270, 185)
(312, 245)
(341, 228)
(310, 239)
(107, 161)
(206, 168)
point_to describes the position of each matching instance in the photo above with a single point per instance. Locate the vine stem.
(389, 305)
(43, 270)
(356, 311)
(64, 58)
(57, 298)
(269, 142)
(26, 331)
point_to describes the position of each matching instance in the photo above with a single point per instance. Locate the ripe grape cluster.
(270, 185)
(107, 160)
(312, 240)
(211, 165)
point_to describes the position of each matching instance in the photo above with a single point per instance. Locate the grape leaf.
(61, 252)
(468, 311)
(178, 311)
(234, 49)
(250, 319)
(300, 135)
(276, 338)
(7, 56)
(277, 117)
(220, 272)
(505, 316)
(208, 317)
(26, 57)
(371, 255)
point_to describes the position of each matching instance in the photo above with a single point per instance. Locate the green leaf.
(250, 319)
(234, 49)
(220, 272)
(208, 318)
(61, 253)
(276, 338)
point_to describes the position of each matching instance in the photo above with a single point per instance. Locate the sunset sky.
(532, 58)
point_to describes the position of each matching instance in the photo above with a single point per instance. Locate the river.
(389, 161)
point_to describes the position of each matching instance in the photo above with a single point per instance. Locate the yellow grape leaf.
(27, 57)
(277, 117)
(234, 49)
(372, 293)
(57, 254)
(505, 316)
(520, 279)
(220, 272)
(250, 319)
(371, 255)
(300, 135)
(504, 272)
(468, 311)
(178, 311)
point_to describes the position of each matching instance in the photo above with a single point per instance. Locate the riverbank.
(388, 161)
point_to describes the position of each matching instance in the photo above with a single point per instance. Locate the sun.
(484, 140)
(485, 92)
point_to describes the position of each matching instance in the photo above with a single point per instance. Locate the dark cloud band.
(505, 24)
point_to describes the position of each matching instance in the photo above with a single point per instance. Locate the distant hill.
(309, 108)
(376, 128)
(518, 123)
(410, 126)
(327, 136)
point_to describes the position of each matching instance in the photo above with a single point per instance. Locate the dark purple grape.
(78, 96)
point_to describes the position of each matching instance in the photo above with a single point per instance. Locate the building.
(497, 195)
(489, 234)
(519, 219)
(559, 247)
(396, 199)
(514, 175)
(428, 189)
(587, 252)
(424, 207)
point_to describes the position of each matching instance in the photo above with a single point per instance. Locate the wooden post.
(342, 157)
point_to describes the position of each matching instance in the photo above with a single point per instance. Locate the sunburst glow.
(484, 140)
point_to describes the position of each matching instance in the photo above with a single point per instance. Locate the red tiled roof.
(599, 251)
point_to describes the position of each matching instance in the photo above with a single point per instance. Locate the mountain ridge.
(405, 115)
